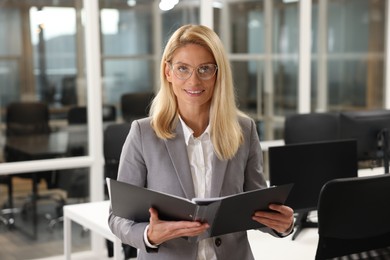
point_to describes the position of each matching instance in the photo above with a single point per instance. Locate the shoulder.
(143, 123)
(141, 127)
(246, 123)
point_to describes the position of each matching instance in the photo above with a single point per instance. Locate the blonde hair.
(226, 132)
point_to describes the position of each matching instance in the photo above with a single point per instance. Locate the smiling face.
(193, 94)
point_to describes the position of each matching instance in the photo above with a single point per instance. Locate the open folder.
(224, 215)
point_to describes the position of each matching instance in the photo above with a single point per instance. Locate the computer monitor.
(309, 166)
(370, 129)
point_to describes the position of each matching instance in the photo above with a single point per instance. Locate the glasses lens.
(204, 71)
(182, 71)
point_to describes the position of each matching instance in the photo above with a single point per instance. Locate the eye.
(182, 69)
(205, 69)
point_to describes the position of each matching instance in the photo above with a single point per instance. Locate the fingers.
(160, 231)
(281, 218)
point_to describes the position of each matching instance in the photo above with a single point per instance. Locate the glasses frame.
(192, 70)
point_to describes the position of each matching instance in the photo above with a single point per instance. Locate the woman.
(196, 143)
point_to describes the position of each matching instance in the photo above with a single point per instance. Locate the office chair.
(135, 105)
(69, 90)
(312, 127)
(354, 218)
(114, 138)
(24, 119)
(78, 114)
(27, 118)
(75, 183)
(7, 211)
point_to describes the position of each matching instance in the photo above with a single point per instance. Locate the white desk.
(94, 216)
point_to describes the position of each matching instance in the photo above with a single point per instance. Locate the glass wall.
(43, 105)
(262, 39)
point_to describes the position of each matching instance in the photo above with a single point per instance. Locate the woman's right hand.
(160, 230)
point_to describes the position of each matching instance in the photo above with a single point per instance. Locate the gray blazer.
(163, 165)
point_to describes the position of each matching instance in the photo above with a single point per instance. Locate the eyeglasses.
(184, 72)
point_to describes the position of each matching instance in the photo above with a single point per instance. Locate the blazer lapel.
(218, 175)
(178, 153)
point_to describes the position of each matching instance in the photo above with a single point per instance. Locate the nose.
(194, 78)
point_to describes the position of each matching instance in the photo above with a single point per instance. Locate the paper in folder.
(224, 215)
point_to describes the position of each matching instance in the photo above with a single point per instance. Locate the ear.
(168, 72)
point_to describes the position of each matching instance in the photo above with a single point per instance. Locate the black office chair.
(311, 127)
(78, 114)
(69, 90)
(354, 218)
(23, 119)
(75, 183)
(8, 211)
(135, 105)
(114, 138)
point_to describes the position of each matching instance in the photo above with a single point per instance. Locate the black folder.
(224, 215)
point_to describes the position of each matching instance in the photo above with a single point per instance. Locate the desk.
(34, 147)
(94, 216)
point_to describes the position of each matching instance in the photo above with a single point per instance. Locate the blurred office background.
(287, 57)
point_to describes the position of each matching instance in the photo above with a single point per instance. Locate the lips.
(194, 92)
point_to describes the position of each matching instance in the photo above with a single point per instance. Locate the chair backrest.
(135, 105)
(27, 118)
(312, 127)
(78, 115)
(114, 138)
(354, 216)
(69, 90)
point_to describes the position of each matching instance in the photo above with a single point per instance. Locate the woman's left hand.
(280, 218)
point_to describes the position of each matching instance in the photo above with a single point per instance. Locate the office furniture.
(93, 216)
(135, 105)
(309, 166)
(26, 118)
(113, 140)
(7, 211)
(354, 218)
(75, 182)
(371, 130)
(312, 127)
(27, 130)
(69, 90)
(78, 114)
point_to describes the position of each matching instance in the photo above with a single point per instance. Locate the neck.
(197, 122)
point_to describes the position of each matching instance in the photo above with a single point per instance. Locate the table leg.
(67, 237)
(34, 200)
(117, 249)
